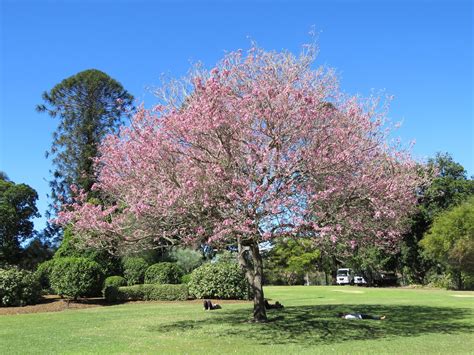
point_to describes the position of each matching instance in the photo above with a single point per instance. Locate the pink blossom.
(263, 141)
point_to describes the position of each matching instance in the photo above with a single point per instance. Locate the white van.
(345, 277)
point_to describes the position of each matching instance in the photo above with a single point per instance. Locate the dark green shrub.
(111, 293)
(4, 265)
(18, 288)
(131, 293)
(168, 292)
(117, 281)
(71, 247)
(114, 282)
(219, 280)
(163, 273)
(440, 280)
(185, 278)
(43, 273)
(151, 292)
(76, 277)
(134, 270)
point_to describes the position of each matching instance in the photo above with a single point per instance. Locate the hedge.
(134, 269)
(147, 292)
(163, 273)
(219, 280)
(70, 248)
(117, 281)
(76, 277)
(43, 273)
(18, 288)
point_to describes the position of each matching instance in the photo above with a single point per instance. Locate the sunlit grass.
(418, 321)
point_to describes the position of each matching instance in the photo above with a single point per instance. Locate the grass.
(418, 321)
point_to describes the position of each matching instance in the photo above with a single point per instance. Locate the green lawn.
(418, 322)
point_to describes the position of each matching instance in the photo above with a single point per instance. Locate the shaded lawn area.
(418, 321)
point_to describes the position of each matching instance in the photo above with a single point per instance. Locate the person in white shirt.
(359, 316)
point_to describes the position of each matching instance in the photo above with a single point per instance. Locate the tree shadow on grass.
(320, 324)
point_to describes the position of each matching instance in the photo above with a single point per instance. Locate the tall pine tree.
(89, 106)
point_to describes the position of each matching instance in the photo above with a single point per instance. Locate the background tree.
(450, 240)
(290, 261)
(109, 264)
(370, 261)
(89, 106)
(448, 188)
(35, 253)
(187, 259)
(17, 208)
(253, 152)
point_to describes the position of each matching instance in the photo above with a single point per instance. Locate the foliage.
(116, 281)
(450, 240)
(35, 253)
(17, 208)
(111, 285)
(291, 261)
(43, 273)
(152, 256)
(370, 261)
(111, 293)
(75, 277)
(185, 279)
(187, 259)
(166, 292)
(226, 256)
(18, 288)
(443, 280)
(219, 280)
(71, 247)
(89, 105)
(134, 269)
(448, 188)
(259, 147)
(151, 292)
(163, 273)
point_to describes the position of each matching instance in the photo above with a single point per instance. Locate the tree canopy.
(89, 105)
(261, 146)
(17, 208)
(449, 187)
(450, 240)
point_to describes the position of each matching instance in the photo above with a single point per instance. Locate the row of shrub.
(137, 271)
(219, 280)
(18, 288)
(147, 292)
(73, 277)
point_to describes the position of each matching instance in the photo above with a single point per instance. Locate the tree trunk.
(254, 274)
(458, 279)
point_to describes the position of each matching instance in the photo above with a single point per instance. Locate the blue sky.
(419, 51)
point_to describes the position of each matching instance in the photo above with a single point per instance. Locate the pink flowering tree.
(261, 146)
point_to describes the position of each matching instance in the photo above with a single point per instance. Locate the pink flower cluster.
(263, 146)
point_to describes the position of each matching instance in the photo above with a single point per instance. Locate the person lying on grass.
(277, 305)
(359, 316)
(209, 306)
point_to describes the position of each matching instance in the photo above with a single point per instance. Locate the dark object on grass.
(386, 279)
(209, 306)
(359, 316)
(277, 305)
